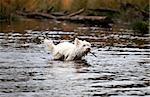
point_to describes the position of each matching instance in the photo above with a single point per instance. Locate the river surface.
(120, 67)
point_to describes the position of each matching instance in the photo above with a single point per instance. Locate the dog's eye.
(84, 45)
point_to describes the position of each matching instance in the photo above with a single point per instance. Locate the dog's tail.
(49, 44)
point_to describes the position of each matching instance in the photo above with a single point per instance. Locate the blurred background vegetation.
(128, 13)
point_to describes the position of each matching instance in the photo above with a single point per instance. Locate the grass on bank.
(129, 15)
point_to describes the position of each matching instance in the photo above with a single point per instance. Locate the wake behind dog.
(68, 51)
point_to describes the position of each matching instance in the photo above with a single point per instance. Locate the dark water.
(121, 66)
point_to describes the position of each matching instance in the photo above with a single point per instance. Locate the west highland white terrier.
(68, 51)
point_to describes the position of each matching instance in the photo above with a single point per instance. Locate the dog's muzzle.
(88, 50)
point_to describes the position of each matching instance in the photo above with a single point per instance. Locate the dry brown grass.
(10, 6)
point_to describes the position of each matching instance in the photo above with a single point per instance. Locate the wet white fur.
(68, 51)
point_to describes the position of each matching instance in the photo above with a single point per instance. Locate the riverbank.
(134, 13)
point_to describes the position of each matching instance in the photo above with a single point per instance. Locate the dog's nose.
(88, 49)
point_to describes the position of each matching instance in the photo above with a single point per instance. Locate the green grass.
(140, 26)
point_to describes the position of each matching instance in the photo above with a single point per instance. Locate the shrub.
(140, 26)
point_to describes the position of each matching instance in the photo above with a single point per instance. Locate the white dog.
(68, 51)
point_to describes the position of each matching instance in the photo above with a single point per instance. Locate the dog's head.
(83, 46)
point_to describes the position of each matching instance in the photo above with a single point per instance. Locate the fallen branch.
(90, 20)
(36, 15)
(73, 18)
(57, 14)
(77, 13)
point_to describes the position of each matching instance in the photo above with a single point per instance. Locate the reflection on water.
(29, 24)
(120, 68)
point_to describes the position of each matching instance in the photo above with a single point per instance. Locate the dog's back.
(67, 50)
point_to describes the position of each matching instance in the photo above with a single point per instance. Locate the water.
(121, 66)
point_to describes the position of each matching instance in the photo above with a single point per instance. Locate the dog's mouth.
(87, 50)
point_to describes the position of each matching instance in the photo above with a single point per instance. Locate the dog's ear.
(77, 41)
